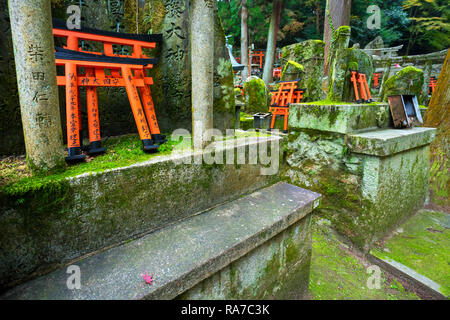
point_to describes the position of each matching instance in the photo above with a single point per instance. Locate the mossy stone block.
(257, 95)
(338, 117)
(407, 81)
(309, 54)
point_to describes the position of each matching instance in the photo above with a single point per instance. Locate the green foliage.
(394, 23)
(430, 23)
(422, 24)
(298, 22)
(339, 274)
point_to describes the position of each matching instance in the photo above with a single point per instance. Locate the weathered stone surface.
(172, 88)
(292, 71)
(356, 60)
(342, 118)
(338, 63)
(342, 60)
(64, 220)
(202, 60)
(257, 95)
(36, 78)
(365, 196)
(277, 269)
(309, 54)
(407, 81)
(389, 141)
(273, 221)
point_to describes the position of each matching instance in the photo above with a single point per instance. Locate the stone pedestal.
(372, 176)
(31, 29)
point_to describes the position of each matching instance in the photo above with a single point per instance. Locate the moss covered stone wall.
(64, 219)
(371, 179)
(365, 196)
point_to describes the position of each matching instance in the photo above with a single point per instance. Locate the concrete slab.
(181, 255)
(386, 142)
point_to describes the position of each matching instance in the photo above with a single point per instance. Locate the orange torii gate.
(258, 57)
(126, 71)
(432, 85)
(359, 78)
(376, 79)
(286, 94)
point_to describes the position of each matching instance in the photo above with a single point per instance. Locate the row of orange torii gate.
(256, 64)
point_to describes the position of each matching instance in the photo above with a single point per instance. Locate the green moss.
(309, 54)
(337, 274)
(353, 65)
(226, 103)
(408, 81)
(344, 29)
(256, 95)
(424, 246)
(121, 151)
(328, 102)
(292, 68)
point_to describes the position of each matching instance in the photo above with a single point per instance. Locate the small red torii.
(126, 71)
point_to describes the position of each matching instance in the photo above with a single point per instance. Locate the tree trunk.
(202, 47)
(437, 116)
(339, 13)
(31, 28)
(439, 106)
(413, 32)
(318, 17)
(272, 41)
(244, 40)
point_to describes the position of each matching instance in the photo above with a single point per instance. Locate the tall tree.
(337, 13)
(244, 40)
(272, 41)
(437, 116)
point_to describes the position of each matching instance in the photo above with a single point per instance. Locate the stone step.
(181, 255)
